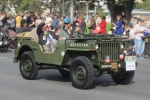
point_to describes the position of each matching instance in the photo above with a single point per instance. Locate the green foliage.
(25, 5)
(145, 5)
(100, 12)
(137, 5)
(2, 5)
(28, 5)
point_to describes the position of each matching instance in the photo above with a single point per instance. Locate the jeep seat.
(24, 34)
(34, 35)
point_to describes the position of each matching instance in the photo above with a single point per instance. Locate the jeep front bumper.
(127, 66)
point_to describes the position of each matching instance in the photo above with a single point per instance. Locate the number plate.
(130, 58)
(130, 66)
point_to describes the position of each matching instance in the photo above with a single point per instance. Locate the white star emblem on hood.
(62, 53)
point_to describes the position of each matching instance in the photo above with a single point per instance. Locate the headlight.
(121, 46)
(97, 46)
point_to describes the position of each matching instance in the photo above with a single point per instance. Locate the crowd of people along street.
(62, 27)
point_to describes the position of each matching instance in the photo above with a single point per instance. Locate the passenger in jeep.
(51, 39)
(47, 36)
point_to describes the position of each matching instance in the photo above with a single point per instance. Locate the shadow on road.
(103, 81)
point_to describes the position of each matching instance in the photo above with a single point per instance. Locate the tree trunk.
(115, 9)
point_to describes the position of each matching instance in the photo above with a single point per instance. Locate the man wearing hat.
(68, 30)
(139, 43)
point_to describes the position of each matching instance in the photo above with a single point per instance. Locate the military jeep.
(80, 58)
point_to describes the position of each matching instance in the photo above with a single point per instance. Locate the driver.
(68, 31)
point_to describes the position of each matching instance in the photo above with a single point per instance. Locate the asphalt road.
(50, 85)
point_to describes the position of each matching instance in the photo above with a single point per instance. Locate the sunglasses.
(66, 23)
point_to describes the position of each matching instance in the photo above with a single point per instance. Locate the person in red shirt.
(102, 25)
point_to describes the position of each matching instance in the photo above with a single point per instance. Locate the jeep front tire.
(124, 78)
(28, 67)
(81, 72)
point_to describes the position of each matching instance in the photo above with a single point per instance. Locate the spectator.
(118, 25)
(32, 23)
(25, 18)
(92, 25)
(37, 16)
(148, 23)
(124, 21)
(48, 17)
(22, 21)
(123, 15)
(30, 18)
(18, 21)
(139, 43)
(55, 23)
(61, 24)
(12, 23)
(98, 19)
(147, 41)
(74, 24)
(102, 25)
(4, 20)
(131, 33)
(126, 31)
(82, 24)
(1, 17)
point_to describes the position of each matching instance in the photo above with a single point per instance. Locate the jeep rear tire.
(81, 72)
(6, 49)
(28, 67)
(124, 78)
(2, 49)
(64, 72)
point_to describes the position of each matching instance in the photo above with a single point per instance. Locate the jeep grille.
(109, 49)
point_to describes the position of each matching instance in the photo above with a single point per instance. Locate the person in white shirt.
(1, 17)
(98, 19)
(131, 33)
(139, 43)
(48, 17)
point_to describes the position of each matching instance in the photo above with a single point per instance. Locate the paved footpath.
(50, 85)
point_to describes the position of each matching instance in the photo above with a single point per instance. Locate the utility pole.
(63, 8)
(87, 10)
(71, 10)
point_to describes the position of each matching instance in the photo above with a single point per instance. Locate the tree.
(23, 5)
(28, 5)
(145, 5)
(117, 6)
(3, 5)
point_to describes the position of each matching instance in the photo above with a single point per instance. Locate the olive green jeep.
(80, 58)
